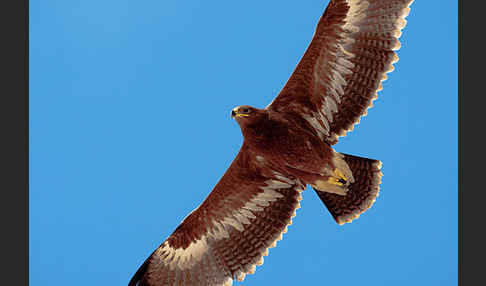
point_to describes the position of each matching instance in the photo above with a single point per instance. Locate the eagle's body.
(286, 141)
(287, 146)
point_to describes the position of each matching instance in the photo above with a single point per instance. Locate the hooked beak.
(234, 114)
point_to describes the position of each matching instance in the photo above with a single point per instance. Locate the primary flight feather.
(286, 146)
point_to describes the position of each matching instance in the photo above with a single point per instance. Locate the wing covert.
(341, 71)
(230, 232)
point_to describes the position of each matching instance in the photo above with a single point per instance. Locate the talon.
(339, 179)
(340, 174)
(335, 181)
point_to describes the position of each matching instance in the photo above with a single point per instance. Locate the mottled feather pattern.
(343, 67)
(246, 249)
(227, 236)
(232, 257)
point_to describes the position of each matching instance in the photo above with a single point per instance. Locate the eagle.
(288, 145)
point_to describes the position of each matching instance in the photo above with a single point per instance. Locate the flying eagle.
(286, 146)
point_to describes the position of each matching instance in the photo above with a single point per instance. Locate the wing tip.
(137, 277)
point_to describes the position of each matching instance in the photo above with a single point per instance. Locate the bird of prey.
(286, 146)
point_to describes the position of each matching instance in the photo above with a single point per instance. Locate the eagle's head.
(245, 114)
(250, 119)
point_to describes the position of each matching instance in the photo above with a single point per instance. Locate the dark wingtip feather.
(139, 274)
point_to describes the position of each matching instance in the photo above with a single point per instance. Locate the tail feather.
(362, 193)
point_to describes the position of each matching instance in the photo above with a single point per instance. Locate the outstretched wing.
(341, 71)
(230, 232)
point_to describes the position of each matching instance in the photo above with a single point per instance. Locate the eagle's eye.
(245, 110)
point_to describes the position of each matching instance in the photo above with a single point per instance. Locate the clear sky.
(130, 129)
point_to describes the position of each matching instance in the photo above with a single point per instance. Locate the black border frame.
(15, 134)
(470, 143)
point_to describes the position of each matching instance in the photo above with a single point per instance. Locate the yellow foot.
(330, 187)
(339, 179)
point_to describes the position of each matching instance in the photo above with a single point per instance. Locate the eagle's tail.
(362, 193)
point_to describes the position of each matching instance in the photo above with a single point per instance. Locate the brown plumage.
(286, 146)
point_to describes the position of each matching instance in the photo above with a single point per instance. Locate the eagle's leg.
(338, 180)
(333, 184)
(336, 183)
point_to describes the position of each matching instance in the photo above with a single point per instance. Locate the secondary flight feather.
(286, 146)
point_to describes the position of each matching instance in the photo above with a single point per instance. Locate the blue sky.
(130, 130)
